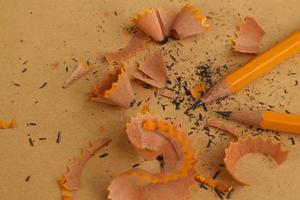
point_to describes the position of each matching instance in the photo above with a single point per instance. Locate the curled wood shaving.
(71, 180)
(114, 90)
(149, 22)
(189, 22)
(249, 36)
(245, 145)
(153, 136)
(253, 144)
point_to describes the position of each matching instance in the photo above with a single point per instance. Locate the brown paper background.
(46, 32)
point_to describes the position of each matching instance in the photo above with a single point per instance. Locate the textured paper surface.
(49, 34)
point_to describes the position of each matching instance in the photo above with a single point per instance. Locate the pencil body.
(254, 69)
(269, 120)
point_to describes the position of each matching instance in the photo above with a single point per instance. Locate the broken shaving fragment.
(166, 93)
(145, 109)
(153, 136)
(142, 77)
(197, 90)
(212, 183)
(137, 43)
(223, 125)
(114, 90)
(252, 144)
(189, 22)
(249, 36)
(6, 125)
(54, 65)
(71, 180)
(80, 71)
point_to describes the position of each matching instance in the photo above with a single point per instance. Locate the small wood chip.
(44, 84)
(58, 137)
(103, 155)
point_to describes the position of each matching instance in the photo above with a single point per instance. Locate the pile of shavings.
(153, 136)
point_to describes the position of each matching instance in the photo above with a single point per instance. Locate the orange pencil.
(254, 69)
(267, 120)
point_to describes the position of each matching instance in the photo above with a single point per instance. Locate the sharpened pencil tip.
(224, 113)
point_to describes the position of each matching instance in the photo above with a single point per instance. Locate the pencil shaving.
(137, 43)
(152, 136)
(6, 125)
(154, 68)
(249, 36)
(71, 180)
(166, 19)
(114, 90)
(252, 145)
(148, 22)
(223, 125)
(65, 193)
(189, 22)
(142, 77)
(80, 71)
(166, 93)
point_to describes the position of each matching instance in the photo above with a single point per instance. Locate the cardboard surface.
(47, 37)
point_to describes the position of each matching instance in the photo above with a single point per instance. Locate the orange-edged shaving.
(245, 145)
(252, 144)
(153, 136)
(115, 89)
(65, 193)
(189, 22)
(71, 180)
(6, 125)
(249, 36)
(137, 43)
(148, 22)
